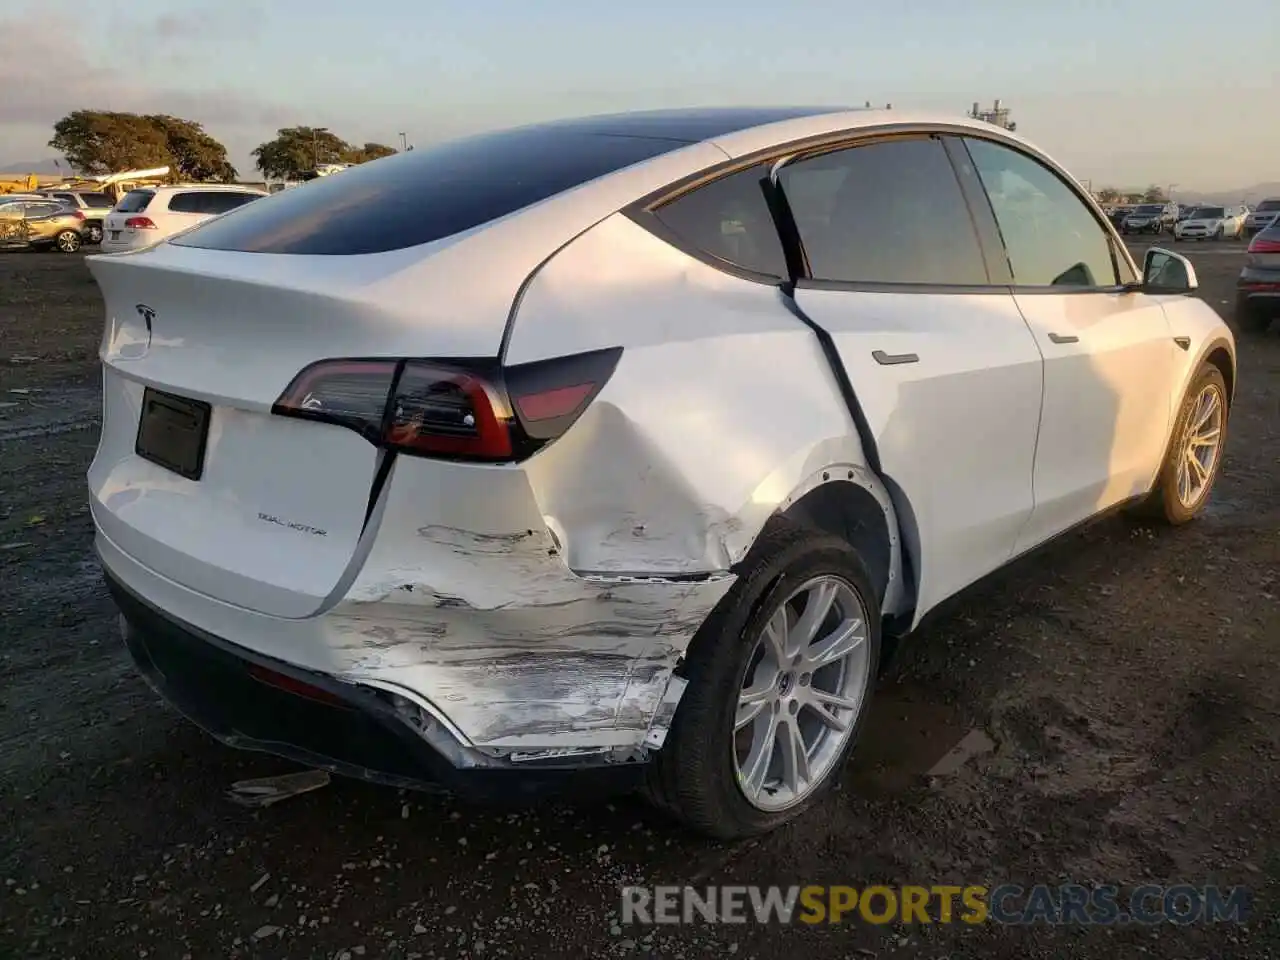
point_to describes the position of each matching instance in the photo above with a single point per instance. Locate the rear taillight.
(453, 410)
(77, 214)
(1264, 244)
(140, 223)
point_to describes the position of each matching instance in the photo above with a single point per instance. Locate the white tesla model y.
(618, 449)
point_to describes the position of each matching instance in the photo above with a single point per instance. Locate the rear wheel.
(1194, 458)
(93, 233)
(778, 681)
(68, 241)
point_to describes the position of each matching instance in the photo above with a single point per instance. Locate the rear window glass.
(99, 201)
(135, 201)
(423, 195)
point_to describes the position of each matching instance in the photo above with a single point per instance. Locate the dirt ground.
(1128, 678)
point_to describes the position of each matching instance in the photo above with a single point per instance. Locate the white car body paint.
(1106, 411)
(543, 605)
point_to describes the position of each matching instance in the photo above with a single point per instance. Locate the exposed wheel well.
(850, 512)
(1221, 359)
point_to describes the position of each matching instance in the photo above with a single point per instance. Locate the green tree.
(1154, 194)
(298, 149)
(99, 141)
(194, 154)
(1109, 195)
(370, 151)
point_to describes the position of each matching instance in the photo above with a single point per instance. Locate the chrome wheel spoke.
(839, 644)
(753, 701)
(777, 636)
(763, 744)
(817, 607)
(824, 704)
(795, 757)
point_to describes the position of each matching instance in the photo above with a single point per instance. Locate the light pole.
(404, 142)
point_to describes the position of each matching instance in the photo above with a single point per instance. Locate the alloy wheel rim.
(802, 691)
(1201, 445)
(68, 242)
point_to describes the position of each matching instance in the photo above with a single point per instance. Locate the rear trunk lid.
(272, 518)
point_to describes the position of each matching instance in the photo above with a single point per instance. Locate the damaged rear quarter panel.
(545, 604)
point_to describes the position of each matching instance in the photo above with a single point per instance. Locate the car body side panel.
(722, 408)
(1193, 319)
(950, 385)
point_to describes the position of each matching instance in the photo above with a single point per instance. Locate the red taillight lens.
(447, 411)
(140, 223)
(456, 410)
(1265, 244)
(77, 214)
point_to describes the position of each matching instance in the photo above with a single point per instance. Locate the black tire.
(93, 233)
(693, 776)
(1162, 503)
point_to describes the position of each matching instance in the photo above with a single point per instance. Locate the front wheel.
(1194, 458)
(779, 677)
(68, 241)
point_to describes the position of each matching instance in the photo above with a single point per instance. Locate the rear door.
(945, 369)
(1109, 353)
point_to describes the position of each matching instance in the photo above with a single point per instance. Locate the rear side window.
(225, 200)
(208, 201)
(423, 195)
(888, 212)
(730, 220)
(135, 201)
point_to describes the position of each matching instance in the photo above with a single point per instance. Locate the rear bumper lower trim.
(347, 728)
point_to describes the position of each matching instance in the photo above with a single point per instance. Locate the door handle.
(1059, 338)
(889, 359)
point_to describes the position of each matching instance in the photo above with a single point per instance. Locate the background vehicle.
(146, 216)
(1211, 223)
(1117, 215)
(94, 205)
(41, 224)
(1258, 289)
(1264, 215)
(474, 480)
(1149, 218)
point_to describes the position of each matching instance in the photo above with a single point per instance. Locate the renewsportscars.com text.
(1067, 903)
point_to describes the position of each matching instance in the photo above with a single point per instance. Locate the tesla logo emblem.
(147, 315)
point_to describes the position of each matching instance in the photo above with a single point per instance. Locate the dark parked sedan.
(1258, 289)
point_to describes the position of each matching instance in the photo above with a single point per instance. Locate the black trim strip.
(829, 349)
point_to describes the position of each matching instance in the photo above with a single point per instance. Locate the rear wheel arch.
(1219, 356)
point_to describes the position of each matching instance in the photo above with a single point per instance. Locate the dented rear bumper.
(254, 702)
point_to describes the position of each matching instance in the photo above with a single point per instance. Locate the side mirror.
(1164, 271)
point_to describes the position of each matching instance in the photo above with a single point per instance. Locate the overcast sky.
(1124, 92)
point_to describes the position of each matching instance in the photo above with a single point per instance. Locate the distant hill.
(1253, 194)
(47, 165)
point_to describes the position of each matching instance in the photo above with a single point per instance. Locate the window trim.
(1117, 250)
(640, 210)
